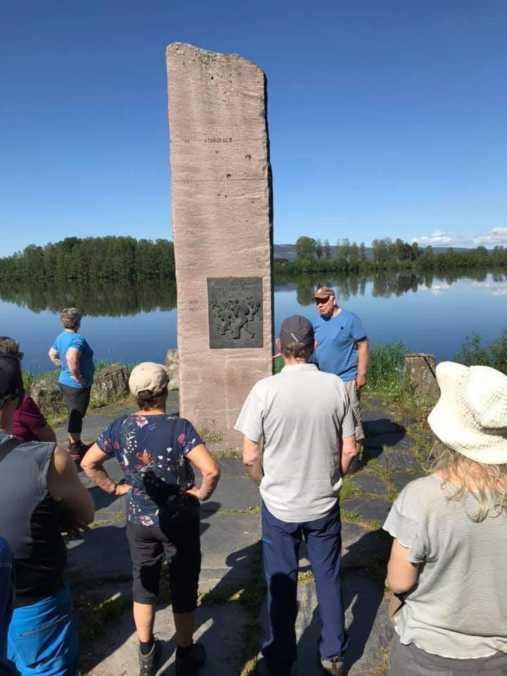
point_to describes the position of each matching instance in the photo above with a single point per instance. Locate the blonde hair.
(486, 483)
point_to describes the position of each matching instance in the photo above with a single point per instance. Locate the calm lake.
(138, 322)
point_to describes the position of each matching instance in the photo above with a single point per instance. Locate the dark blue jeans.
(280, 548)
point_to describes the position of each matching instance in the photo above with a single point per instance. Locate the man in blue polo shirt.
(341, 348)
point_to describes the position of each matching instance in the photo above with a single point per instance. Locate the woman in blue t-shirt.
(74, 357)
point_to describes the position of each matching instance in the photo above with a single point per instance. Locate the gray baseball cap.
(296, 330)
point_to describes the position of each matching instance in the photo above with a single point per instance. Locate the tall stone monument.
(222, 227)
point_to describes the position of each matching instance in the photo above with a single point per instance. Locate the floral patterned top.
(152, 452)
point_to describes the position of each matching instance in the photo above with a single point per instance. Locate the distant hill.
(288, 251)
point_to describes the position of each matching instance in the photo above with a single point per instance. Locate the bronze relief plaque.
(235, 312)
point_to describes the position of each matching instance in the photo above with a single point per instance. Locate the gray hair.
(70, 317)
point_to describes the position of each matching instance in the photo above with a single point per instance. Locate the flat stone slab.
(367, 622)
(221, 629)
(235, 491)
(227, 543)
(99, 564)
(369, 483)
(368, 508)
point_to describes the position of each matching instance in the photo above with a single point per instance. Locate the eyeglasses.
(321, 301)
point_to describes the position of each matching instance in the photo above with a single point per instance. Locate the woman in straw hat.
(449, 555)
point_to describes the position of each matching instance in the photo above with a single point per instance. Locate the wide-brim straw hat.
(471, 415)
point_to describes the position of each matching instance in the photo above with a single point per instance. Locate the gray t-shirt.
(300, 415)
(458, 608)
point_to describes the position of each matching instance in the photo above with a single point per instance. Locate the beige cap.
(149, 377)
(324, 292)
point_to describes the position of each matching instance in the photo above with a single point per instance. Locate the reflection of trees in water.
(99, 299)
(116, 299)
(385, 284)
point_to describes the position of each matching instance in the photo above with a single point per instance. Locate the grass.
(349, 489)
(473, 352)
(385, 369)
(94, 616)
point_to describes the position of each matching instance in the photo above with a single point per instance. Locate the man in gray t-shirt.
(302, 419)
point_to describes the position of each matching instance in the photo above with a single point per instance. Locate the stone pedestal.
(222, 221)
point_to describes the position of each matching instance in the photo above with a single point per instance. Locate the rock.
(420, 374)
(110, 384)
(172, 365)
(47, 396)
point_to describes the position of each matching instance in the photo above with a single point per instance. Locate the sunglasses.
(321, 301)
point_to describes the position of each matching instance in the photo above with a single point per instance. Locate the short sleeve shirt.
(63, 342)
(300, 415)
(28, 419)
(336, 340)
(458, 608)
(152, 450)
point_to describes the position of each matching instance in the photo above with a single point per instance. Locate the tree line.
(122, 259)
(126, 259)
(313, 255)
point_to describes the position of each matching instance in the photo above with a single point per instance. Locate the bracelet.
(114, 490)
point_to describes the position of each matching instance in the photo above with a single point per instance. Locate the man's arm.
(252, 459)
(362, 363)
(54, 357)
(64, 486)
(93, 466)
(349, 451)
(402, 574)
(202, 459)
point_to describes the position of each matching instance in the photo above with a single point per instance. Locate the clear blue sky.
(387, 119)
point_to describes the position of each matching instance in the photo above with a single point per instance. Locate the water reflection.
(385, 284)
(97, 300)
(118, 299)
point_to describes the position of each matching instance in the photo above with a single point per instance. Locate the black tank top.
(29, 518)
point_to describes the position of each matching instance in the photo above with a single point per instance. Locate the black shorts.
(177, 538)
(76, 400)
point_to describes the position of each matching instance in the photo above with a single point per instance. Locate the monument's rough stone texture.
(221, 207)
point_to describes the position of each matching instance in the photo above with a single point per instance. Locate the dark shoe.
(192, 662)
(77, 451)
(148, 664)
(333, 666)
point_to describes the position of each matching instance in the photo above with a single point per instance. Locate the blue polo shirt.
(336, 339)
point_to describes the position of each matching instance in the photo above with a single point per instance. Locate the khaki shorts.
(355, 405)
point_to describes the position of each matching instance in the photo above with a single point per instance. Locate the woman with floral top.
(157, 454)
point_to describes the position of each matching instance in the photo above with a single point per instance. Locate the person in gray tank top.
(40, 492)
(448, 560)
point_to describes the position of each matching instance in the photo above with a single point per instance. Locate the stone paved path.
(231, 617)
